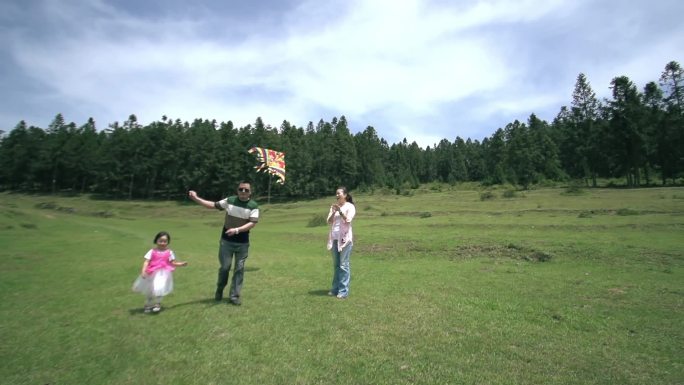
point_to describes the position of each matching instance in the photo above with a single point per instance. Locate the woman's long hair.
(347, 194)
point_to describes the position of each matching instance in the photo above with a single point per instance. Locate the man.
(242, 214)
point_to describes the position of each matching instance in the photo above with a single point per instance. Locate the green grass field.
(543, 287)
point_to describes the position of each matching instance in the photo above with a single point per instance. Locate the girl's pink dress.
(159, 279)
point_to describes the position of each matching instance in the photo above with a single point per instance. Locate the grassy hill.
(448, 286)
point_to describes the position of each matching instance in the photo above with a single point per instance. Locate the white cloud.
(416, 69)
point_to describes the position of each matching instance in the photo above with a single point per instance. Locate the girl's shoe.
(147, 309)
(156, 308)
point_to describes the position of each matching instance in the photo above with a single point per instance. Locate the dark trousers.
(229, 251)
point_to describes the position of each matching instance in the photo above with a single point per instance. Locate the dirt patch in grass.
(407, 250)
(71, 210)
(617, 291)
(511, 251)
(374, 249)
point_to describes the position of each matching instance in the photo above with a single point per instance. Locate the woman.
(340, 241)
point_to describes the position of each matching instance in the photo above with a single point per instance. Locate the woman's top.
(159, 259)
(341, 228)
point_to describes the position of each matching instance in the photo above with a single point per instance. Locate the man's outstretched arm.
(203, 202)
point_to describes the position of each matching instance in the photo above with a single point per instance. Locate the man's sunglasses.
(243, 190)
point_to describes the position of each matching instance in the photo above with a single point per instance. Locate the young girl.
(156, 279)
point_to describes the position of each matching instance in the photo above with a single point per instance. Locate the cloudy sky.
(421, 70)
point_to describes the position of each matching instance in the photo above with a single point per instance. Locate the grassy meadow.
(534, 287)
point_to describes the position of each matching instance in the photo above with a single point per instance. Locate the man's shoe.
(236, 301)
(219, 295)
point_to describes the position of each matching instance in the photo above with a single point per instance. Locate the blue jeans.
(227, 251)
(341, 270)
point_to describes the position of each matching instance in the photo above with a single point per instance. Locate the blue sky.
(420, 70)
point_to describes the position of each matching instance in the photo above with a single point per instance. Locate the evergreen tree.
(322, 144)
(18, 151)
(201, 168)
(173, 154)
(559, 133)
(444, 161)
(227, 163)
(459, 170)
(298, 160)
(399, 169)
(52, 164)
(659, 148)
(626, 133)
(87, 147)
(494, 150)
(112, 153)
(345, 155)
(543, 149)
(416, 163)
(586, 137)
(474, 160)
(520, 154)
(371, 154)
(429, 171)
(672, 81)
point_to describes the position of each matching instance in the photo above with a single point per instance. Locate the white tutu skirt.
(159, 284)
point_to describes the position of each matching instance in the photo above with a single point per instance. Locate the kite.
(270, 161)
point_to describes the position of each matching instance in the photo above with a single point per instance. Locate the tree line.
(635, 135)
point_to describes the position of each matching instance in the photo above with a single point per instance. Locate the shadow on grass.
(205, 301)
(321, 293)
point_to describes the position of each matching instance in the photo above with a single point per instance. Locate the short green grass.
(537, 287)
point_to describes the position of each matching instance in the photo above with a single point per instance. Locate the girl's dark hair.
(161, 234)
(344, 190)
